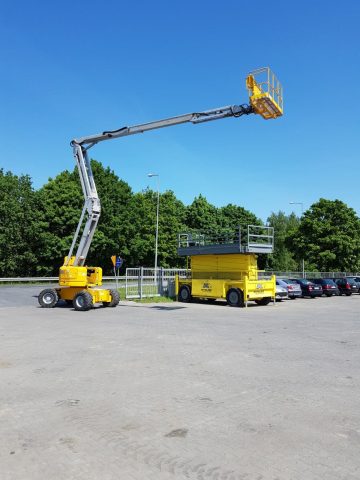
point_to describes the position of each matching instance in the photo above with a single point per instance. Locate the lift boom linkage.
(83, 144)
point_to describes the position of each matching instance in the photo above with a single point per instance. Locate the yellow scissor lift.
(224, 266)
(78, 283)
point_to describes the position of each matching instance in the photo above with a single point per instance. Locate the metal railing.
(268, 83)
(251, 238)
(144, 282)
(45, 279)
(288, 274)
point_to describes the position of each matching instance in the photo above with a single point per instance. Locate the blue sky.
(70, 69)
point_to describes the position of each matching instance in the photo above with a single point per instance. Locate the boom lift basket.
(265, 93)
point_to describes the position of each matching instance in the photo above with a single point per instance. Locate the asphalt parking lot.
(179, 391)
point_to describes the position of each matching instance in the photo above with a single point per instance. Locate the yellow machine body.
(98, 294)
(265, 93)
(212, 276)
(72, 276)
(74, 279)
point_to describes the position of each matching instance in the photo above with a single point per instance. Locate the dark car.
(328, 285)
(357, 280)
(293, 288)
(309, 289)
(346, 285)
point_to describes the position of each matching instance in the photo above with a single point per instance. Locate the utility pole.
(302, 213)
(157, 219)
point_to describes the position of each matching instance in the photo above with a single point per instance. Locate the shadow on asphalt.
(160, 307)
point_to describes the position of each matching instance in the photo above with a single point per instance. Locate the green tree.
(202, 216)
(171, 223)
(231, 216)
(143, 229)
(62, 200)
(328, 237)
(20, 226)
(112, 234)
(205, 217)
(282, 258)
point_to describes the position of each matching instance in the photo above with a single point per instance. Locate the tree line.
(37, 227)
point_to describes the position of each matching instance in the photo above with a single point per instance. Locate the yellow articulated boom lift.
(225, 266)
(78, 283)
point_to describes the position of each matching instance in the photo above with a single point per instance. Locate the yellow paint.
(265, 95)
(71, 276)
(74, 279)
(98, 294)
(213, 275)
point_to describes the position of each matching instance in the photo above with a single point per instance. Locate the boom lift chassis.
(78, 283)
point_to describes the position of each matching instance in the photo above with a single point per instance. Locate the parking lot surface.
(179, 391)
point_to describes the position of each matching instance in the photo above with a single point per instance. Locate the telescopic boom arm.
(83, 144)
(199, 117)
(266, 99)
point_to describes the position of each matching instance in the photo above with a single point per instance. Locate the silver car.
(293, 288)
(281, 291)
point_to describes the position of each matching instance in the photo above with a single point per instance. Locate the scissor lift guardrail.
(249, 239)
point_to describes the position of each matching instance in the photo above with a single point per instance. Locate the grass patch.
(153, 300)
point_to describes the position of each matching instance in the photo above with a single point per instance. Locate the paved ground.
(179, 391)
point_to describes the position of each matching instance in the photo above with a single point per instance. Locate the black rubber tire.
(185, 294)
(235, 298)
(48, 298)
(263, 301)
(348, 294)
(83, 301)
(115, 299)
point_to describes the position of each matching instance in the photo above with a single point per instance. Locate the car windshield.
(329, 281)
(351, 281)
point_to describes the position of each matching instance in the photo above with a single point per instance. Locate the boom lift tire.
(184, 294)
(115, 299)
(235, 298)
(83, 301)
(48, 298)
(263, 301)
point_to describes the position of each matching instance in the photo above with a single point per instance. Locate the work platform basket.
(265, 93)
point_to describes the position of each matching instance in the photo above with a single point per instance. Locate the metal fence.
(46, 279)
(313, 274)
(144, 282)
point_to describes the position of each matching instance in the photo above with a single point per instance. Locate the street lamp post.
(157, 219)
(302, 212)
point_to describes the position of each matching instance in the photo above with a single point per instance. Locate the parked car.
(293, 288)
(281, 291)
(357, 280)
(308, 289)
(346, 285)
(328, 285)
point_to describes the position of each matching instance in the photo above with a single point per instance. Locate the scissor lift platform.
(249, 239)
